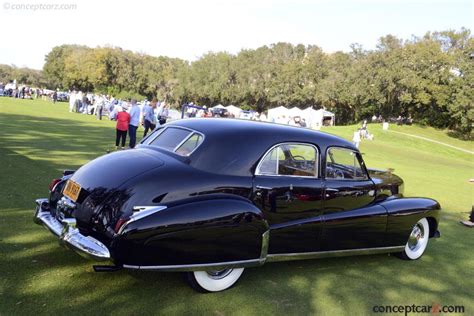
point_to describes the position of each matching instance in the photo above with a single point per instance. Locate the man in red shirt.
(123, 119)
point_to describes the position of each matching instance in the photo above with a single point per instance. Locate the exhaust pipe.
(103, 268)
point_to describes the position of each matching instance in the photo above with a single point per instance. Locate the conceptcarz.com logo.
(434, 309)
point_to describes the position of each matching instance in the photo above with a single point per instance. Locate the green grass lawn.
(39, 139)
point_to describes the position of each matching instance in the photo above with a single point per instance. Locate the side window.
(290, 160)
(344, 164)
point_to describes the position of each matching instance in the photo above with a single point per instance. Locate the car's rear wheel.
(417, 241)
(213, 281)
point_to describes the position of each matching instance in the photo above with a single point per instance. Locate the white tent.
(315, 118)
(235, 111)
(276, 113)
(219, 106)
(294, 112)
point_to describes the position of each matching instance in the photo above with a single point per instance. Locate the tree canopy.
(429, 78)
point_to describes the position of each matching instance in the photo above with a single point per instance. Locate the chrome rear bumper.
(69, 236)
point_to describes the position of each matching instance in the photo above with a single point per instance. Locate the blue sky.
(188, 29)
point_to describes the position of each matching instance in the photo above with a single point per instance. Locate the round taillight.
(53, 184)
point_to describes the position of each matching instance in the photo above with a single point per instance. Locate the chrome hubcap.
(219, 274)
(416, 237)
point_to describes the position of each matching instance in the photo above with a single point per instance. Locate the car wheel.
(417, 241)
(213, 281)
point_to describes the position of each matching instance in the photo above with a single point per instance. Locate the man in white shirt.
(356, 138)
(134, 122)
(72, 100)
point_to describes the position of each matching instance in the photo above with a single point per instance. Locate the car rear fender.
(200, 232)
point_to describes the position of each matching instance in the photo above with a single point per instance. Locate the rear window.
(178, 140)
(189, 145)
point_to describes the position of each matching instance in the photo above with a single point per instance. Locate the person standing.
(163, 114)
(134, 122)
(55, 96)
(123, 121)
(356, 138)
(149, 116)
(99, 107)
(470, 221)
(72, 100)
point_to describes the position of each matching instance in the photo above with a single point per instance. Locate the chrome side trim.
(141, 212)
(265, 243)
(268, 258)
(333, 253)
(144, 211)
(200, 267)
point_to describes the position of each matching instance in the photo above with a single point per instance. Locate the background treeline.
(429, 78)
(28, 76)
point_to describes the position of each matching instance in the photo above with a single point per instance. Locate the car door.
(288, 189)
(351, 220)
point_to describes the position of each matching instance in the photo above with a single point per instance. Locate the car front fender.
(404, 213)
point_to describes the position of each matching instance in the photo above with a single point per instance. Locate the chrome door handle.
(334, 191)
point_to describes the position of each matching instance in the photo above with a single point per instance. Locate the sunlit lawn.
(38, 140)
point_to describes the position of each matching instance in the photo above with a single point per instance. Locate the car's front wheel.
(213, 281)
(417, 241)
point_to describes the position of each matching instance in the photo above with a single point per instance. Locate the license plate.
(72, 190)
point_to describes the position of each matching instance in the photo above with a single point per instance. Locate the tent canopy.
(278, 112)
(294, 111)
(315, 118)
(234, 110)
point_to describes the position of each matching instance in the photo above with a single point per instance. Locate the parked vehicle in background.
(219, 112)
(247, 115)
(63, 96)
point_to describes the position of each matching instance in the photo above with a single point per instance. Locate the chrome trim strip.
(182, 142)
(318, 164)
(265, 243)
(144, 211)
(141, 212)
(185, 140)
(268, 258)
(332, 253)
(201, 267)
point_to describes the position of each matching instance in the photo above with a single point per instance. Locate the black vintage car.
(211, 197)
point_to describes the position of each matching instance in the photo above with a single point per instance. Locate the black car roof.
(234, 146)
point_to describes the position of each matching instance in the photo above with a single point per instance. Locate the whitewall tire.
(417, 241)
(214, 281)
